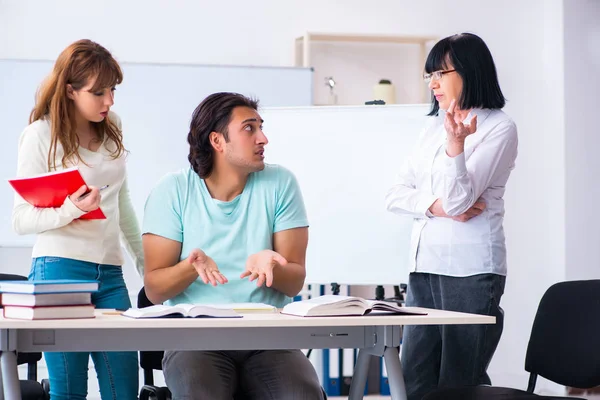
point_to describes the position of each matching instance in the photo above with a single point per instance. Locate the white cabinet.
(358, 61)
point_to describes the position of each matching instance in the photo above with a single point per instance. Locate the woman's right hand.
(90, 202)
(206, 268)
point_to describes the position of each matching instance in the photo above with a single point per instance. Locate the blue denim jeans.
(68, 372)
(441, 356)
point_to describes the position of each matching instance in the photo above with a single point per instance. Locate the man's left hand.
(260, 267)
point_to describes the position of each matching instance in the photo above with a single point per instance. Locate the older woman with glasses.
(453, 187)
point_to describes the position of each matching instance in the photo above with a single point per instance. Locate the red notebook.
(51, 190)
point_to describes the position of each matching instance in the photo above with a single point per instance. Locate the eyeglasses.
(436, 75)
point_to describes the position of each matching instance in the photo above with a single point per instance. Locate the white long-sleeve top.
(441, 245)
(59, 231)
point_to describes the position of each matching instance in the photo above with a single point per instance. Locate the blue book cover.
(48, 286)
(331, 375)
(384, 384)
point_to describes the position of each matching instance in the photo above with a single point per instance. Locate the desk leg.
(395, 375)
(10, 375)
(359, 378)
(1, 385)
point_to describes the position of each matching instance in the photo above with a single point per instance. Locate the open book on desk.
(335, 306)
(225, 310)
(182, 310)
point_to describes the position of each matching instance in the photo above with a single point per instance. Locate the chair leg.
(148, 376)
(155, 393)
(32, 371)
(46, 387)
(532, 382)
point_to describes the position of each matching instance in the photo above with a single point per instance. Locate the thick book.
(335, 305)
(45, 299)
(49, 312)
(247, 308)
(181, 311)
(48, 286)
(51, 189)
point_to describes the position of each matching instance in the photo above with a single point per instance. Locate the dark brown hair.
(212, 115)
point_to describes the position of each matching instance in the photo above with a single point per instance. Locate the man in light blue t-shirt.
(229, 229)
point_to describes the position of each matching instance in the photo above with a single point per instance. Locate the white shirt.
(59, 231)
(441, 245)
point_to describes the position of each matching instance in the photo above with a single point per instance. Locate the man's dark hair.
(212, 115)
(472, 60)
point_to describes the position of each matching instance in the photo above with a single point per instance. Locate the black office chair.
(564, 345)
(31, 389)
(152, 360)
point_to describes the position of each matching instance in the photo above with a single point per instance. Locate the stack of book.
(50, 299)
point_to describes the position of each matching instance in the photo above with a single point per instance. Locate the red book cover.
(50, 190)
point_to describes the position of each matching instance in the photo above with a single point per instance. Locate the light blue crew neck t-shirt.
(181, 208)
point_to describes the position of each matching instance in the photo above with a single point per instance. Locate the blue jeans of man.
(441, 356)
(237, 374)
(68, 372)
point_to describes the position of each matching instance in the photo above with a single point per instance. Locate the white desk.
(373, 335)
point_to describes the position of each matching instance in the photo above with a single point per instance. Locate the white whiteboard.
(155, 103)
(345, 159)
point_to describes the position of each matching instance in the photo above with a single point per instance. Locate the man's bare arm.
(291, 244)
(165, 276)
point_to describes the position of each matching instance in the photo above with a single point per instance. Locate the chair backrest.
(12, 277)
(148, 359)
(24, 358)
(142, 300)
(565, 338)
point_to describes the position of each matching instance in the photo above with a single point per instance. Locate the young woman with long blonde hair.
(71, 125)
